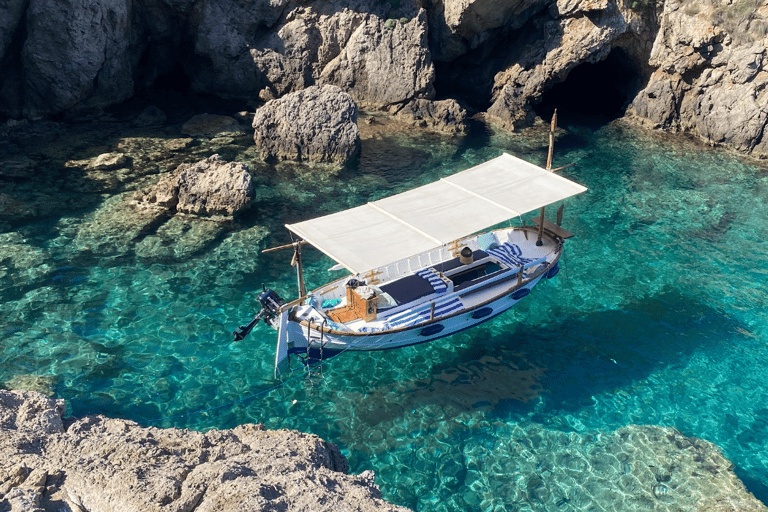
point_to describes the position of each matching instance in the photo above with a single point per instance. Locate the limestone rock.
(76, 51)
(28, 411)
(209, 187)
(657, 104)
(99, 463)
(460, 26)
(318, 124)
(444, 115)
(709, 79)
(570, 7)
(567, 42)
(385, 62)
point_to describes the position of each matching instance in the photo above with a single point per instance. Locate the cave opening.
(175, 82)
(593, 93)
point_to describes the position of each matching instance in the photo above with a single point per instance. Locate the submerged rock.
(208, 187)
(209, 125)
(318, 124)
(445, 115)
(638, 467)
(150, 116)
(97, 463)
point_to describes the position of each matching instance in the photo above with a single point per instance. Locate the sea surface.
(658, 316)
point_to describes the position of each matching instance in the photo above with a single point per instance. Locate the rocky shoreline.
(52, 463)
(676, 65)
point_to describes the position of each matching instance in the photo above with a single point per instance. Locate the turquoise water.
(658, 316)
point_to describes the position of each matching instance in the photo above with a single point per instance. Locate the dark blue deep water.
(658, 316)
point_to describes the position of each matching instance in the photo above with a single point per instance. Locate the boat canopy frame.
(397, 227)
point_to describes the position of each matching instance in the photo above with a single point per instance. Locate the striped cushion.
(510, 255)
(422, 313)
(434, 279)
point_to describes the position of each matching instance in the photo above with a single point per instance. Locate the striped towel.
(431, 275)
(510, 255)
(422, 313)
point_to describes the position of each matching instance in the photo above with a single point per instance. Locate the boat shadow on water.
(552, 368)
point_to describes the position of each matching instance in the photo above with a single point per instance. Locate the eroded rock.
(385, 62)
(99, 463)
(209, 187)
(318, 124)
(709, 77)
(444, 115)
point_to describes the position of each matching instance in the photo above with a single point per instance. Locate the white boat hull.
(307, 330)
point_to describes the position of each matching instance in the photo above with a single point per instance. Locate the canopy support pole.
(552, 127)
(299, 268)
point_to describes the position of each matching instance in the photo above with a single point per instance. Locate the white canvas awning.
(399, 226)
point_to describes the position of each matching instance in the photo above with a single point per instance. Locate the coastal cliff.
(676, 64)
(98, 463)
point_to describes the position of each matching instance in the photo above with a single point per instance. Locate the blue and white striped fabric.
(509, 254)
(413, 317)
(431, 275)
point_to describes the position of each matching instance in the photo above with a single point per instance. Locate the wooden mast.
(295, 261)
(549, 168)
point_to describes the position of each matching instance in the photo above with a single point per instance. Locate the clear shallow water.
(658, 317)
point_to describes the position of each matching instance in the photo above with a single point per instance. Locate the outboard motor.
(270, 305)
(270, 309)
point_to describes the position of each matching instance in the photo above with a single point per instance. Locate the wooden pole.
(299, 269)
(549, 168)
(286, 246)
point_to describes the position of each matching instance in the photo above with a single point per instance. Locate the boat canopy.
(399, 226)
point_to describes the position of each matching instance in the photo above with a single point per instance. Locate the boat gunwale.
(324, 329)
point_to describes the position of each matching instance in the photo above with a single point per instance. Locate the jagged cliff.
(679, 64)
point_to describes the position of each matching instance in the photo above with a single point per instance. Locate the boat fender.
(552, 272)
(519, 294)
(482, 313)
(431, 329)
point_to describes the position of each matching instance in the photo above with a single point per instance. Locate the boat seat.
(409, 288)
(509, 255)
(431, 275)
(422, 312)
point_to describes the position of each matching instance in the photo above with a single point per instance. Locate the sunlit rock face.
(318, 124)
(690, 66)
(98, 463)
(709, 75)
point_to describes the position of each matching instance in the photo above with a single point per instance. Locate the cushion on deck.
(422, 313)
(510, 255)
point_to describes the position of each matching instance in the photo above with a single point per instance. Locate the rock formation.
(208, 187)
(696, 67)
(318, 124)
(101, 464)
(709, 76)
(444, 115)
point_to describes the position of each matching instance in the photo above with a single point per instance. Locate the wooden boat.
(421, 267)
